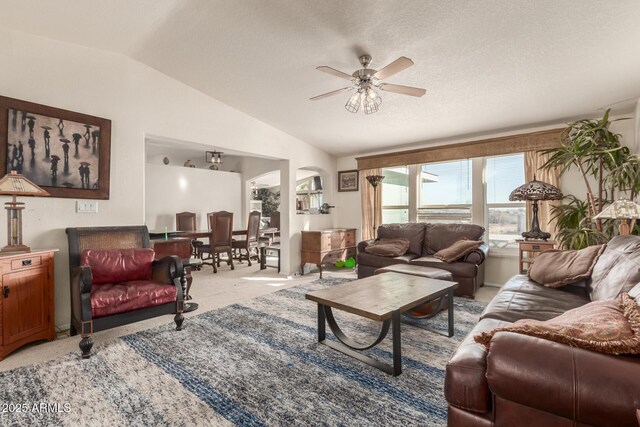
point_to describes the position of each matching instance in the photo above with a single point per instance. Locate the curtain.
(367, 203)
(533, 161)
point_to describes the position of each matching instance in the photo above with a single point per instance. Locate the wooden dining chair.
(186, 221)
(209, 216)
(275, 223)
(251, 240)
(220, 240)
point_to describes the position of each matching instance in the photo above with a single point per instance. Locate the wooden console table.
(26, 304)
(529, 249)
(327, 246)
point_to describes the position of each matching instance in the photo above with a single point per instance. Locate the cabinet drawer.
(535, 246)
(26, 262)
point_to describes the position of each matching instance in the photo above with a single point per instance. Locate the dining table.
(199, 234)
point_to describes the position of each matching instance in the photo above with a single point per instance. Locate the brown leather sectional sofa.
(527, 381)
(424, 241)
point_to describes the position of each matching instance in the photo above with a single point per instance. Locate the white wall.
(498, 269)
(348, 206)
(139, 101)
(171, 189)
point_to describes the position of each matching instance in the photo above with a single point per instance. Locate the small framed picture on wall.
(348, 180)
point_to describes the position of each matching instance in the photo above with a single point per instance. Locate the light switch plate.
(86, 206)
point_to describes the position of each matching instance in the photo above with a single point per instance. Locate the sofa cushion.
(414, 232)
(376, 261)
(460, 269)
(617, 269)
(521, 298)
(555, 268)
(441, 236)
(388, 247)
(113, 298)
(608, 326)
(458, 250)
(118, 265)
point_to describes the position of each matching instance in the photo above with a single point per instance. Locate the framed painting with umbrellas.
(65, 152)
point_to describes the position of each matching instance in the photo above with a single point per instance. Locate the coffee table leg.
(397, 347)
(450, 317)
(321, 324)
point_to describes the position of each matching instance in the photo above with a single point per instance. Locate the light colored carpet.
(255, 363)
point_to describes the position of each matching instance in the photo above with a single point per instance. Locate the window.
(445, 192)
(395, 195)
(505, 220)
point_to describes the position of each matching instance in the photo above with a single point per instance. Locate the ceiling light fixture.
(365, 80)
(213, 157)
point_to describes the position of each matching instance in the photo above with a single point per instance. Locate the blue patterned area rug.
(249, 364)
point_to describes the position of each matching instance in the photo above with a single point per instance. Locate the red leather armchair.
(115, 281)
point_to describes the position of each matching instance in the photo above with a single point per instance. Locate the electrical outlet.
(86, 206)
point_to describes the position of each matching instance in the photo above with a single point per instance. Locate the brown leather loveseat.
(528, 381)
(424, 241)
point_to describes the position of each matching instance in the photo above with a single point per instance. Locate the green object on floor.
(350, 263)
(340, 264)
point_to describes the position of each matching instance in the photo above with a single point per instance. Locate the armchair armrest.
(588, 387)
(477, 256)
(168, 269)
(364, 244)
(81, 279)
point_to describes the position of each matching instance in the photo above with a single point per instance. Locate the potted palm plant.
(591, 147)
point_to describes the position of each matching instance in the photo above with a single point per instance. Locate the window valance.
(532, 141)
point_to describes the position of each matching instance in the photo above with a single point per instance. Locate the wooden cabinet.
(529, 249)
(26, 303)
(327, 246)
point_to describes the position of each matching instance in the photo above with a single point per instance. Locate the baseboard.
(492, 285)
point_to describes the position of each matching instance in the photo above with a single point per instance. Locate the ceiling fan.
(365, 80)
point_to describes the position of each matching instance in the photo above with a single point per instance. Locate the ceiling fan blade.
(334, 72)
(405, 90)
(334, 92)
(396, 66)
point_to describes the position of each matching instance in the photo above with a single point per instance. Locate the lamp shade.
(14, 184)
(620, 209)
(375, 180)
(535, 190)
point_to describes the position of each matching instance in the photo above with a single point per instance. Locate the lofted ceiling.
(487, 66)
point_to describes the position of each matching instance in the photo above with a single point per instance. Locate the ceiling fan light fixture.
(371, 101)
(353, 104)
(365, 80)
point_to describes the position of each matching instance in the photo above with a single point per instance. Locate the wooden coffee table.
(385, 298)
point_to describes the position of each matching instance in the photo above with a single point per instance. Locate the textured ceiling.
(487, 65)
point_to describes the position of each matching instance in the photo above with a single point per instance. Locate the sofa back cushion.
(617, 269)
(441, 236)
(414, 232)
(118, 265)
